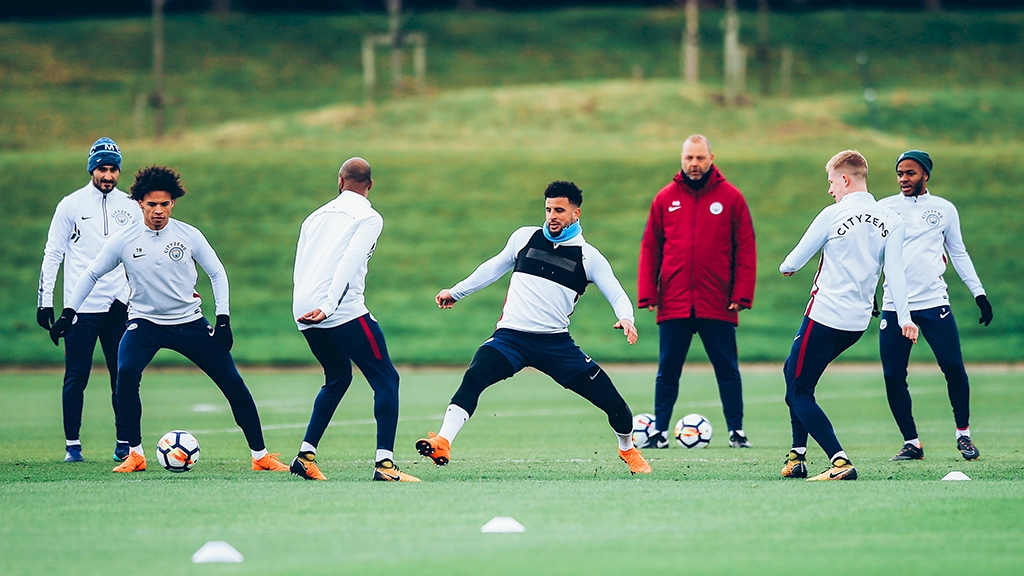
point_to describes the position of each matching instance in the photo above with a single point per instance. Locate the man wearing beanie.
(82, 223)
(933, 231)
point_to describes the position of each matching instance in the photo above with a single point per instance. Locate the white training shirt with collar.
(335, 244)
(161, 270)
(82, 223)
(538, 305)
(856, 237)
(933, 230)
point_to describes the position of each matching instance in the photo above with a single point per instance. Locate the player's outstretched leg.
(436, 448)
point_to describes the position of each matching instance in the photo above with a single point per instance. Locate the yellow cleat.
(135, 462)
(269, 462)
(842, 469)
(305, 466)
(436, 448)
(637, 463)
(386, 471)
(796, 465)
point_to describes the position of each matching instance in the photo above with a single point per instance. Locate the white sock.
(454, 418)
(138, 450)
(964, 432)
(625, 441)
(74, 442)
(800, 450)
(307, 447)
(257, 454)
(916, 442)
(385, 455)
(840, 454)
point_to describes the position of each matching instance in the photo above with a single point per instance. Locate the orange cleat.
(135, 462)
(269, 462)
(305, 466)
(386, 471)
(436, 448)
(842, 469)
(637, 463)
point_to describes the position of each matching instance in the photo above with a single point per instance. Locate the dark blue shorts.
(556, 355)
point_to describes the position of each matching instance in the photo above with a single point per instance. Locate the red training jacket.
(698, 253)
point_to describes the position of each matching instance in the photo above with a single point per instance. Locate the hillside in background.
(272, 106)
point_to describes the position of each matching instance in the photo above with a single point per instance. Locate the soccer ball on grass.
(178, 451)
(643, 428)
(693, 431)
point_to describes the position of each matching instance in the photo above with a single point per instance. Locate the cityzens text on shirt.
(871, 219)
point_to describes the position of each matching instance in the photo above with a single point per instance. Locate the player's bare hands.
(737, 307)
(628, 328)
(652, 307)
(910, 332)
(312, 317)
(788, 273)
(444, 299)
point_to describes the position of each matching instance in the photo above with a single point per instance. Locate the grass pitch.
(532, 451)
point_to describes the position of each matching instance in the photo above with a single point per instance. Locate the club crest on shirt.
(932, 218)
(716, 208)
(121, 217)
(175, 251)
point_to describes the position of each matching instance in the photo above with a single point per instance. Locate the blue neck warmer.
(568, 233)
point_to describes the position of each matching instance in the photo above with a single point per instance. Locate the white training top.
(82, 223)
(855, 237)
(335, 245)
(933, 230)
(161, 270)
(538, 305)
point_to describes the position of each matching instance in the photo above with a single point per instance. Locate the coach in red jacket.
(698, 262)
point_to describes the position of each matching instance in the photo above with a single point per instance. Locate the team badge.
(175, 251)
(121, 217)
(132, 326)
(716, 208)
(882, 324)
(932, 218)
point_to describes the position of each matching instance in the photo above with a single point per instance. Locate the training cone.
(216, 551)
(500, 524)
(956, 475)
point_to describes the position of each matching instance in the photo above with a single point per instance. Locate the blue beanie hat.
(918, 156)
(104, 152)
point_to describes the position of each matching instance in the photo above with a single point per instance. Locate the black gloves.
(222, 332)
(119, 308)
(62, 325)
(986, 309)
(44, 317)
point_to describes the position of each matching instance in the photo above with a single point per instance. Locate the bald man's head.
(354, 175)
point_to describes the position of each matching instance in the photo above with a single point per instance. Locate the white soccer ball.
(693, 431)
(643, 428)
(178, 451)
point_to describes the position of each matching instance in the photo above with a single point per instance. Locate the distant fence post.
(786, 71)
(691, 48)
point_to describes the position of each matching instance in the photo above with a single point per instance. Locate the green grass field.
(534, 452)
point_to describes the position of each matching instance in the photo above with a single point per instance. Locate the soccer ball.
(693, 431)
(178, 451)
(643, 428)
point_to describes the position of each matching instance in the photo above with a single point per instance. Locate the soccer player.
(698, 264)
(82, 223)
(552, 266)
(933, 230)
(856, 237)
(335, 245)
(159, 257)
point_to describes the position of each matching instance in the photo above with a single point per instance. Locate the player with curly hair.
(164, 311)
